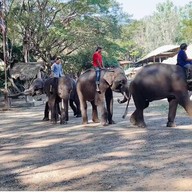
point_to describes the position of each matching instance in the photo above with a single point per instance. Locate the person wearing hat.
(98, 65)
(56, 72)
(184, 61)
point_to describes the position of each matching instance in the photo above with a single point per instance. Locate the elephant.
(155, 82)
(113, 79)
(64, 91)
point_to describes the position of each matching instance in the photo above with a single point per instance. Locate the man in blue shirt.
(56, 72)
(183, 60)
(56, 68)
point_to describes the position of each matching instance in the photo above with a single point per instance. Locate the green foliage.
(186, 20)
(73, 29)
(159, 29)
(66, 28)
(79, 62)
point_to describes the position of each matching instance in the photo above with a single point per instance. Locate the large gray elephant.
(155, 82)
(110, 80)
(64, 92)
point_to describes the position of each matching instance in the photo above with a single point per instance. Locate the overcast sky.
(141, 8)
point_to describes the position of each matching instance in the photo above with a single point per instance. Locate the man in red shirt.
(98, 65)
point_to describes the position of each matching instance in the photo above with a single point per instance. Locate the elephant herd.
(152, 82)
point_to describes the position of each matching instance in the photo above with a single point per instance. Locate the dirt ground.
(37, 155)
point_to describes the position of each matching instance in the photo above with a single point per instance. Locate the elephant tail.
(126, 110)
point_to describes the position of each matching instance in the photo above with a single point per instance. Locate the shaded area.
(38, 155)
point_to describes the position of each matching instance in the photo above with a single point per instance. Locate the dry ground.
(37, 155)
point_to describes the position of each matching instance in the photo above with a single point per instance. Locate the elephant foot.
(96, 120)
(84, 122)
(78, 115)
(63, 122)
(171, 124)
(112, 122)
(46, 119)
(133, 121)
(141, 124)
(104, 124)
(54, 122)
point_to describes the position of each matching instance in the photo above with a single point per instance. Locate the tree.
(161, 28)
(186, 24)
(67, 28)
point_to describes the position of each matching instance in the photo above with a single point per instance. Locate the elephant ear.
(109, 77)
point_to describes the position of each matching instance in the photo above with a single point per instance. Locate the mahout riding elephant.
(64, 92)
(155, 82)
(110, 80)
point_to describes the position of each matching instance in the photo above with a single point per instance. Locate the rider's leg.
(188, 72)
(97, 79)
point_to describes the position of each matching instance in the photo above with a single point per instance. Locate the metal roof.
(160, 54)
(173, 60)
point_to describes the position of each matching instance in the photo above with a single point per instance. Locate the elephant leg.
(104, 113)
(140, 119)
(73, 107)
(109, 104)
(172, 112)
(137, 117)
(186, 103)
(57, 111)
(52, 107)
(46, 112)
(94, 113)
(76, 100)
(58, 108)
(133, 118)
(64, 111)
(83, 106)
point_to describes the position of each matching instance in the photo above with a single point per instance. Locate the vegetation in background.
(39, 29)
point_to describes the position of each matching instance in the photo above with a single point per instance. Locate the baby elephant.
(62, 90)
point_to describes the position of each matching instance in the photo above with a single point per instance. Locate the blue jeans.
(98, 73)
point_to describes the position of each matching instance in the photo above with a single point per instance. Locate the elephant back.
(88, 75)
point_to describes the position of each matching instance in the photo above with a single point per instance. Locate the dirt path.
(36, 155)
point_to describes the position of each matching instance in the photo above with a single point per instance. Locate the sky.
(142, 8)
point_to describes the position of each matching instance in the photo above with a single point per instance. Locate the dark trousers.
(54, 85)
(187, 68)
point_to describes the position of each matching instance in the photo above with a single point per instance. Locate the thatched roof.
(25, 71)
(160, 54)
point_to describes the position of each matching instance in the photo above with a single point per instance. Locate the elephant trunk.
(16, 95)
(123, 100)
(29, 91)
(125, 92)
(127, 97)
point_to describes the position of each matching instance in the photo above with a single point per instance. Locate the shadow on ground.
(37, 155)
